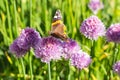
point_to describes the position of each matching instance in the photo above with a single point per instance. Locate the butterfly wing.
(59, 32)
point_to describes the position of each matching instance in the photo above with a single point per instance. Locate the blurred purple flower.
(95, 6)
(49, 48)
(15, 49)
(80, 60)
(69, 48)
(116, 67)
(92, 28)
(28, 38)
(113, 33)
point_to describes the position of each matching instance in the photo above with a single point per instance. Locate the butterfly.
(58, 29)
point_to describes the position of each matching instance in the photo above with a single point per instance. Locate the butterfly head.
(57, 16)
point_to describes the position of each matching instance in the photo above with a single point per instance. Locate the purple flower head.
(113, 33)
(95, 6)
(80, 60)
(92, 28)
(116, 67)
(28, 38)
(69, 48)
(49, 48)
(15, 49)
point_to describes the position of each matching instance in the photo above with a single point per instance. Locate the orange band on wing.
(56, 22)
(64, 28)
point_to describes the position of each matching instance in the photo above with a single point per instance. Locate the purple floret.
(116, 67)
(15, 49)
(49, 48)
(28, 38)
(92, 28)
(80, 60)
(69, 48)
(95, 6)
(113, 33)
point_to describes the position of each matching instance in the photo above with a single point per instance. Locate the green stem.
(57, 74)
(30, 13)
(115, 53)
(19, 67)
(49, 72)
(9, 20)
(15, 18)
(114, 58)
(115, 49)
(23, 67)
(22, 7)
(92, 54)
(79, 74)
(69, 75)
(31, 72)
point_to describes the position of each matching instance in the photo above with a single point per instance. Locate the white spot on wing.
(55, 16)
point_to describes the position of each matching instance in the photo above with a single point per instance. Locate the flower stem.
(57, 74)
(69, 75)
(115, 53)
(118, 77)
(15, 18)
(9, 19)
(49, 72)
(114, 57)
(30, 13)
(92, 49)
(30, 64)
(23, 67)
(92, 54)
(22, 10)
(19, 66)
(79, 74)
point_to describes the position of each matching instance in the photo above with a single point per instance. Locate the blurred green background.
(18, 14)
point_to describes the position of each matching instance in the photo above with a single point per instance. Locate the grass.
(18, 14)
